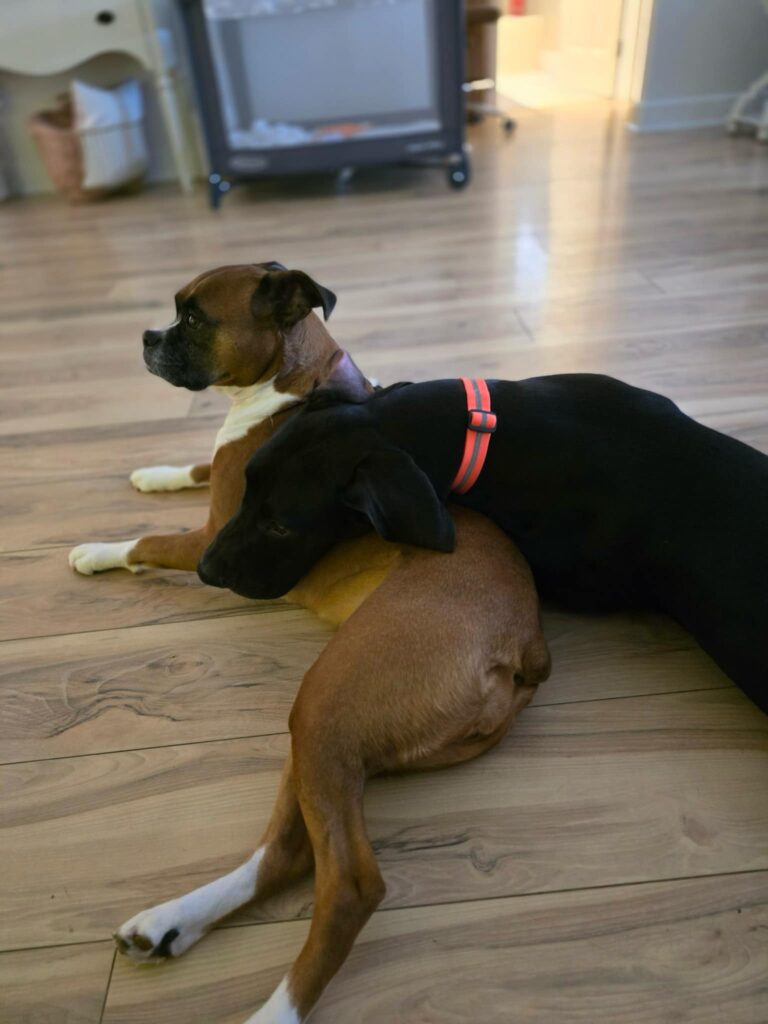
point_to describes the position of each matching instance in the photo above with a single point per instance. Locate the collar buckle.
(481, 421)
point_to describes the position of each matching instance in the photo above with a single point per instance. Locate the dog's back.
(656, 510)
(618, 500)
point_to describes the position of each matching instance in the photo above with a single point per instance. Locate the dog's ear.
(400, 501)
(290, 295)
(345, 383)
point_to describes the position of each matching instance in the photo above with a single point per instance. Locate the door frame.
(634, 34)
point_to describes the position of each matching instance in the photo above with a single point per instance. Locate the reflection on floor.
(538, 90)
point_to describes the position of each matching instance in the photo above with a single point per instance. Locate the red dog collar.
(481, 423)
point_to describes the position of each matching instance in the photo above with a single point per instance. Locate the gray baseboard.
(681, 112)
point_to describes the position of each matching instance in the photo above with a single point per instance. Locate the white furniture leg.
(751, 108)
(169, 107)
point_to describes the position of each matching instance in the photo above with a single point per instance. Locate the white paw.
(90, 558)
(163, 478)
(278, 1009)
(157, 933)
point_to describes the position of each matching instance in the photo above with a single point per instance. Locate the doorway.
(559, 52)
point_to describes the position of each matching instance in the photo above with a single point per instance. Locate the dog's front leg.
(170, 478)
(170, 550)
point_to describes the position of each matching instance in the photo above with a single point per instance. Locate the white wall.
(549, 10)
(701, 55)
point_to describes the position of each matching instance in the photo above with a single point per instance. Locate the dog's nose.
(151, 338)
(206, 573)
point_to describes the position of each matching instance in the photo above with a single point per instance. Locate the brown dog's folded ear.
(290, 295)
(400, 501)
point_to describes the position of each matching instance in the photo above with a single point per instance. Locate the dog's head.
(325, 476)
(237, 326)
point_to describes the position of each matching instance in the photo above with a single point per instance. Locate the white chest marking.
(278, 1009)
(250, 406)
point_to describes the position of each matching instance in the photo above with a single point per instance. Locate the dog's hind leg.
(348, 884)
(283, 856)
(170, 478)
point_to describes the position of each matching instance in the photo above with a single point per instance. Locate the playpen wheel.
(459, 172)
(216, 189)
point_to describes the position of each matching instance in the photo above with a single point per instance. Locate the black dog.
(616, 498)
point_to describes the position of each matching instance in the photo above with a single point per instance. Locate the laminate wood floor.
(608, 863)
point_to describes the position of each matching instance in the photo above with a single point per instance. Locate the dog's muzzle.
(206, 573)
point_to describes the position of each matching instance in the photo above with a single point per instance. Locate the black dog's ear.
(400, 501)
(291, 294)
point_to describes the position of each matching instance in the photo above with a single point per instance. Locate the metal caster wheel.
(216, 189)
(343, 177)
(459, 172)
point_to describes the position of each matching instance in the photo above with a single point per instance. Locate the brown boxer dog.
(249, 331)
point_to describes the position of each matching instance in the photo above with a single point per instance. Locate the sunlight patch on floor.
(539, 91)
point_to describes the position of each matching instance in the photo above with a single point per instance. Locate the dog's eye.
(191, 321)
(277, 529)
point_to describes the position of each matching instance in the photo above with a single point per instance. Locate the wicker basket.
(61, 150)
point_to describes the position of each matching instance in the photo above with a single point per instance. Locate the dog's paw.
(90, 558)
(163, 478)
(278, 1009)
(157, 934)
